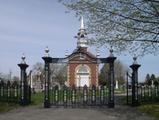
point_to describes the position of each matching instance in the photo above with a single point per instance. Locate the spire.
(82, 36)
(82, 23)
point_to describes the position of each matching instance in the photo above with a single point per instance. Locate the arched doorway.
(82, 76)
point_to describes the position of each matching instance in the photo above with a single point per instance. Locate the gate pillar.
(111, 60)
(135, 97)
(23, 82)
(47, 61)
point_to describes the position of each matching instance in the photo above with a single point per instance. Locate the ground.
(40, 113)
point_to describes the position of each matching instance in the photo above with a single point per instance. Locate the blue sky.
(28, 26)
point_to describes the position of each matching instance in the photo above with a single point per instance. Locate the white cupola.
(82, 36)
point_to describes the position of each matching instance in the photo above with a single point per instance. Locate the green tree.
(119, 73)
(125, 24)
(148, 79)
(153, 78)
(119, 70)
(156, 82)
(103, 75)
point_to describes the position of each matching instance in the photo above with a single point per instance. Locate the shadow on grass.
(37, 99)
(5, 107)
(151, 109)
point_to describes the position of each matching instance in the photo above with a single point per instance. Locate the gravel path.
(39, 113)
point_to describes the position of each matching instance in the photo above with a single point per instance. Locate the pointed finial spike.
(23, 58)
(135, 59)
(47, 52)
(111, 51)
(82, 23)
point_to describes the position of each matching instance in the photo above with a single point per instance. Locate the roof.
(83, 51)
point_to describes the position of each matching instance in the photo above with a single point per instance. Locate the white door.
(82, 76)
(82, 80)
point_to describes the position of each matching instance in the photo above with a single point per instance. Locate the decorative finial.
(23, 59)
(82, 23)
(47, 52)
(66, 53)
(135, 59)
(111, 52)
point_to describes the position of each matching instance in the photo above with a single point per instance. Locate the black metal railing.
(9, 91)
(79, 96)
(146, 94)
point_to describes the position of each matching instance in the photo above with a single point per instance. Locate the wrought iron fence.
(9, 91)
(146, 94)
(79, 96)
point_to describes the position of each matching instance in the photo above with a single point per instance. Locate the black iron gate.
(72, 98)
(79, 96)
(89, 96)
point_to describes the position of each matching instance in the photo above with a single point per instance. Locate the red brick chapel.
(82, 66)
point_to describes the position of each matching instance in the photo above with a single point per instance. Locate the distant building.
(82, 66)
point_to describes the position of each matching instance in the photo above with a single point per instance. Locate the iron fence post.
(135, 97)
(23, 84)
(111, 60)
(127, 88)
(47, 61)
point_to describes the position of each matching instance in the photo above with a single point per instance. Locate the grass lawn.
(150, 109)
(119, 91)
(37, 98)
(5, 107)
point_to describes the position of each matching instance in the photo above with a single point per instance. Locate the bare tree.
(57, 72)
(15, 78)
(128, 25)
